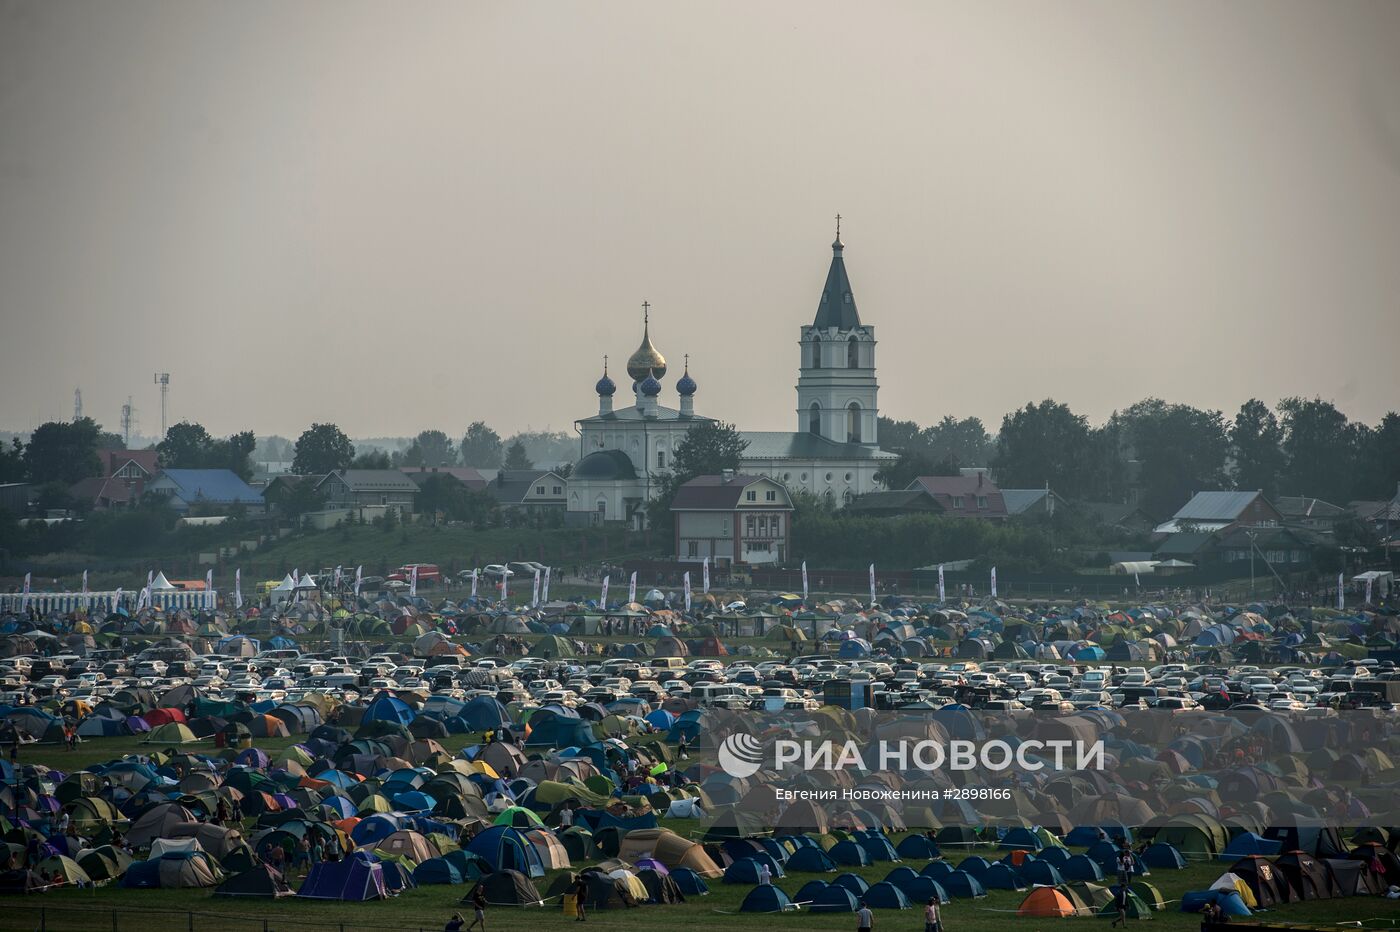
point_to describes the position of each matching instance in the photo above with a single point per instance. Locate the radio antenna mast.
(163, 380)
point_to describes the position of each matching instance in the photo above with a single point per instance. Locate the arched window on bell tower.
(853, 423)
(814, 419)
(816, 353)
(852, 353)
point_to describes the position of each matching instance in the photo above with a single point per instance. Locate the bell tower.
(836, 386)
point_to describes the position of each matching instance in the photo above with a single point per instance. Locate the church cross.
(838, 225)
(646, 311)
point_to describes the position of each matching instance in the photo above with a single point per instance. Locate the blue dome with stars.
(650, 387)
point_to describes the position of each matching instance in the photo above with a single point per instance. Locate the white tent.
(286, 585)
(161, 582)
(306, 582)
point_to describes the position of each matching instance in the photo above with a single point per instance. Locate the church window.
(814, 420)
(848, 477)
(853, 423)
(828, 477)
(852, 354)
(816, 354)
(804, 477)
(660, 459)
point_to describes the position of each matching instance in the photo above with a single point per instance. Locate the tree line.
(1162, 452)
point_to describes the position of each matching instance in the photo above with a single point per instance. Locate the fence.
(46, 918)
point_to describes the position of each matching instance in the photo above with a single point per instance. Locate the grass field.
(119, 910)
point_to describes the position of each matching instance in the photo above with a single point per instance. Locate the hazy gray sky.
(402, 216)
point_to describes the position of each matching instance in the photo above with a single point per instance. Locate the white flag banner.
(804, 581)
(632, 588)
(1137, 581)
(359, 577)
(1368, 590)
(942, 592)
(413, 581)
(87, 603)
(117, 599)
(26, 584)
(603, 599)
(705, 575)
(475, 575)
(338, 578)
(296, 578)
(150, 579)
(1341, 592)
(544, 587)
(85, 582)
(144, 599)
(238, 588)
(209, 590)
(685, 580)
(872, 585)
(535, 589)
(505, 585)
(994, 582)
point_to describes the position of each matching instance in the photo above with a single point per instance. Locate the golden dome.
(646, 359)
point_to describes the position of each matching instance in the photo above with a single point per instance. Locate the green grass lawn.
(116, 909)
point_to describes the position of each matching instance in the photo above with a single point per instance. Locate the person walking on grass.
(933, 921)
(865, 919)
(1120, 905)
(580, 893)
(479, 907)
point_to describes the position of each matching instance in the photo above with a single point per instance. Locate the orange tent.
(1046, 903)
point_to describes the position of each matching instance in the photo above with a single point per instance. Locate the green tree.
(1180, 450)
(12, 461)
(1045, 442)
(188, 445)
(1257, 442)
(1319, 447)
(709, 448)
(962, 441)
(63, 451)
(1379, 474)
(912, 464)
(300, 498)
(322, 448)
(481, 446)
(371, 458)
(430, 448)
(517, 458)
(898, 436)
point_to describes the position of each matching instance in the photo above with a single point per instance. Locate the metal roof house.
(1218, 511)
(220, 488)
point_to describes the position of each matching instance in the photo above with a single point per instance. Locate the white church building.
(625, 451)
